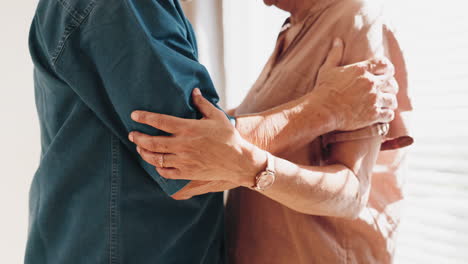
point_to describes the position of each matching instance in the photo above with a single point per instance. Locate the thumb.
(335, 54)
(203, 105)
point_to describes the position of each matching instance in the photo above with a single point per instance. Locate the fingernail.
(130, 136)
(138, 150)
(196, 91)
(134, 115)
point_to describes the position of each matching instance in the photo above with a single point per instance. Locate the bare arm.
(327, 108)
(297, 123)
(216, 153)
(276, 129)
(340, 189)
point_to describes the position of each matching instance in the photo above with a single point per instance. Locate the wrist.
(322, 114)
(256, 163)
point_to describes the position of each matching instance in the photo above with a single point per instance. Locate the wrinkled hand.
(210, 149)
(357, 95)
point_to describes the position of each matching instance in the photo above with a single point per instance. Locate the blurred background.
(236, 38)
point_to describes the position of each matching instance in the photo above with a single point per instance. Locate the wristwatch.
(265, 179)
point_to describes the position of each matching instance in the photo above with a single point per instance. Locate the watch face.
(265, 180)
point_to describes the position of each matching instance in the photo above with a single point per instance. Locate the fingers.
(195, 188)
(377, 66)
(204, 106)
(389, 85)
(380, 66)
(159, 160)
(385, 116)
(169, 173)
(162, 122)
(335, 54)
(188, 191)
(161, 144)
(387, 100)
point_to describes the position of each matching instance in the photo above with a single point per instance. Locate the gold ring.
(162, 160)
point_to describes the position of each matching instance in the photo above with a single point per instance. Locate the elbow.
(356, 206)
(355, 214)
(348, 208)
(358, 196)
(348, 203)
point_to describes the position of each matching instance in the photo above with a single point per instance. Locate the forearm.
(295, 123)
(339, 189)
(332, 190)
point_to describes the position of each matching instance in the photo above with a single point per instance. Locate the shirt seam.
(71, 27)
(114, 208)
(75, 14)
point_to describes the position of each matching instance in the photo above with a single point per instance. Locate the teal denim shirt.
(93, 199)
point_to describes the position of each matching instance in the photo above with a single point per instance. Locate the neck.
(300, 8)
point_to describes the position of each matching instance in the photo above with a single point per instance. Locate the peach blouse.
(261, 230)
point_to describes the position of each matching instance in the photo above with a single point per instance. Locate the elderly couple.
(311, 156)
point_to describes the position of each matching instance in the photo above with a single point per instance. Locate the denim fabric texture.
(93, 199)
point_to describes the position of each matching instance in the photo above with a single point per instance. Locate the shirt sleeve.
(371, 36)
(138, 55)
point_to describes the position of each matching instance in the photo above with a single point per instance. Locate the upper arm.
(136, 55)
(359, 156)
(367, 35)
(370, 35)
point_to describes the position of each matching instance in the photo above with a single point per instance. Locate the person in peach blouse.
(334, 199)
(264, 231)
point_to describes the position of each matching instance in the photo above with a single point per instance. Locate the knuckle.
(160, 122)
(153, 119)
(153, 159)
(163, 147)
(153, 145)
(375, 112)
(182, 162)
(189, 146)
(183, 148)
(360, 69)
(379, 61)
(141, 116)
(367, 83)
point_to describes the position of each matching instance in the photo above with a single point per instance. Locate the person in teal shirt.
(93, 199)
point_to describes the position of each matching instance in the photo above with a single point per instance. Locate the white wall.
(207, 19)
(251, 29)
(19, 133)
